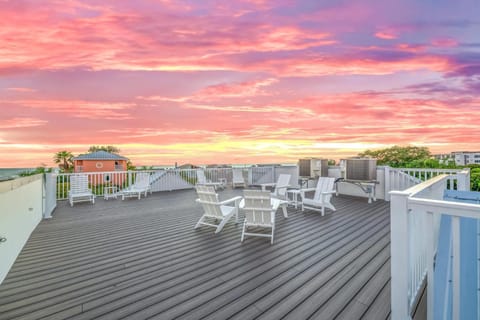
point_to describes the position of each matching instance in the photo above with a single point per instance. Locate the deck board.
(142, 259)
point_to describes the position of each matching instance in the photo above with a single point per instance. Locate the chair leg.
(273, 230)
(243, 230)
(199, 222)
(222, 223)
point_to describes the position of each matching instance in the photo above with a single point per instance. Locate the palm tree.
(64, 158)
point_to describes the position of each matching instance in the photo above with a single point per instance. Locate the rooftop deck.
(143, 259)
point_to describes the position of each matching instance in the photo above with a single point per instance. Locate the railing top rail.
(412, 191)
(429, 170)
(459, 209)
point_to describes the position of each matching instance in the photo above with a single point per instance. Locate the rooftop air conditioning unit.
(361, 169)
(313, 167)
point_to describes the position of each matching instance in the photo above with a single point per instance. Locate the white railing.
(415, 220)
(172, 179)
(424, 174)
(390, 179)
(399, 179)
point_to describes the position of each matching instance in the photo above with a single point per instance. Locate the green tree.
(130, 166)
(111, 149)
(474, 177)
(398, 156)
(64, 159)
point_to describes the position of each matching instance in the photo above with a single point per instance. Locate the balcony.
(143, 259)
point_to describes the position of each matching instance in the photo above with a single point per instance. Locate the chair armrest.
(284, 187)
(235, 199)
(302, 191)
(329, 192)
(265, 185)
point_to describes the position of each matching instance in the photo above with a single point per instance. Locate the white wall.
(20, 213)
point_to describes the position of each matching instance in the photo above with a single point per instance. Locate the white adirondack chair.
(202, 180)
(214, 209)
(258, 213)
(238, 179)
(281, 186)
(323, 194)
(79, 190)
(141, 185)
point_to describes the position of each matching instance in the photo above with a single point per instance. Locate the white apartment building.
(463, 158)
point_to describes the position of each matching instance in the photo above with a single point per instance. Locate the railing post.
(456, 267)
(400, 263)
(463, 180)
(430, 251)
(388, 188)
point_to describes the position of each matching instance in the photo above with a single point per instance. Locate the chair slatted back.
(282, 183)
(201, 179)
(258, 207)
(324, 185)
(79, 184)
(209, 200)
(238, 175)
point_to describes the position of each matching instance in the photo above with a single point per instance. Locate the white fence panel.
(259, 175)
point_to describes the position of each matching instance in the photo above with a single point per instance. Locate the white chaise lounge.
(141, 185)
(79, 190)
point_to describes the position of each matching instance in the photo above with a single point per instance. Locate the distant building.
(445, 158)
(99, 161)
(462, 158)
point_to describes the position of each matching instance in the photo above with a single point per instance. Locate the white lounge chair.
(79, 190)
(238, 179)
(214, 209)
(202, 180)
(258, 213)
(280, 187)
(323, 194)
(141, 185)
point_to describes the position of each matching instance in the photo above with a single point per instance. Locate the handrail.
(415, 220)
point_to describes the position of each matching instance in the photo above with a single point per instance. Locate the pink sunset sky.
(248, 81)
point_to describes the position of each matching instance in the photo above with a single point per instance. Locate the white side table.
(295, 197)
(110, 192)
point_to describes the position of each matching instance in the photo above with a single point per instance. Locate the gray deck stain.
(142, 259)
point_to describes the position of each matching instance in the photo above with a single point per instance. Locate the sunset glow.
(245, 81)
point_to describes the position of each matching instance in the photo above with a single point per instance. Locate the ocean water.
(12, 172)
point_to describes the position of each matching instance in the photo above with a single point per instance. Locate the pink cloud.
(247, 81)
(445, 42)
(21, 123)
(386, 35)
(24, 90)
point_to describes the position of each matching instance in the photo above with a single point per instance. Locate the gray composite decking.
(142, 259)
